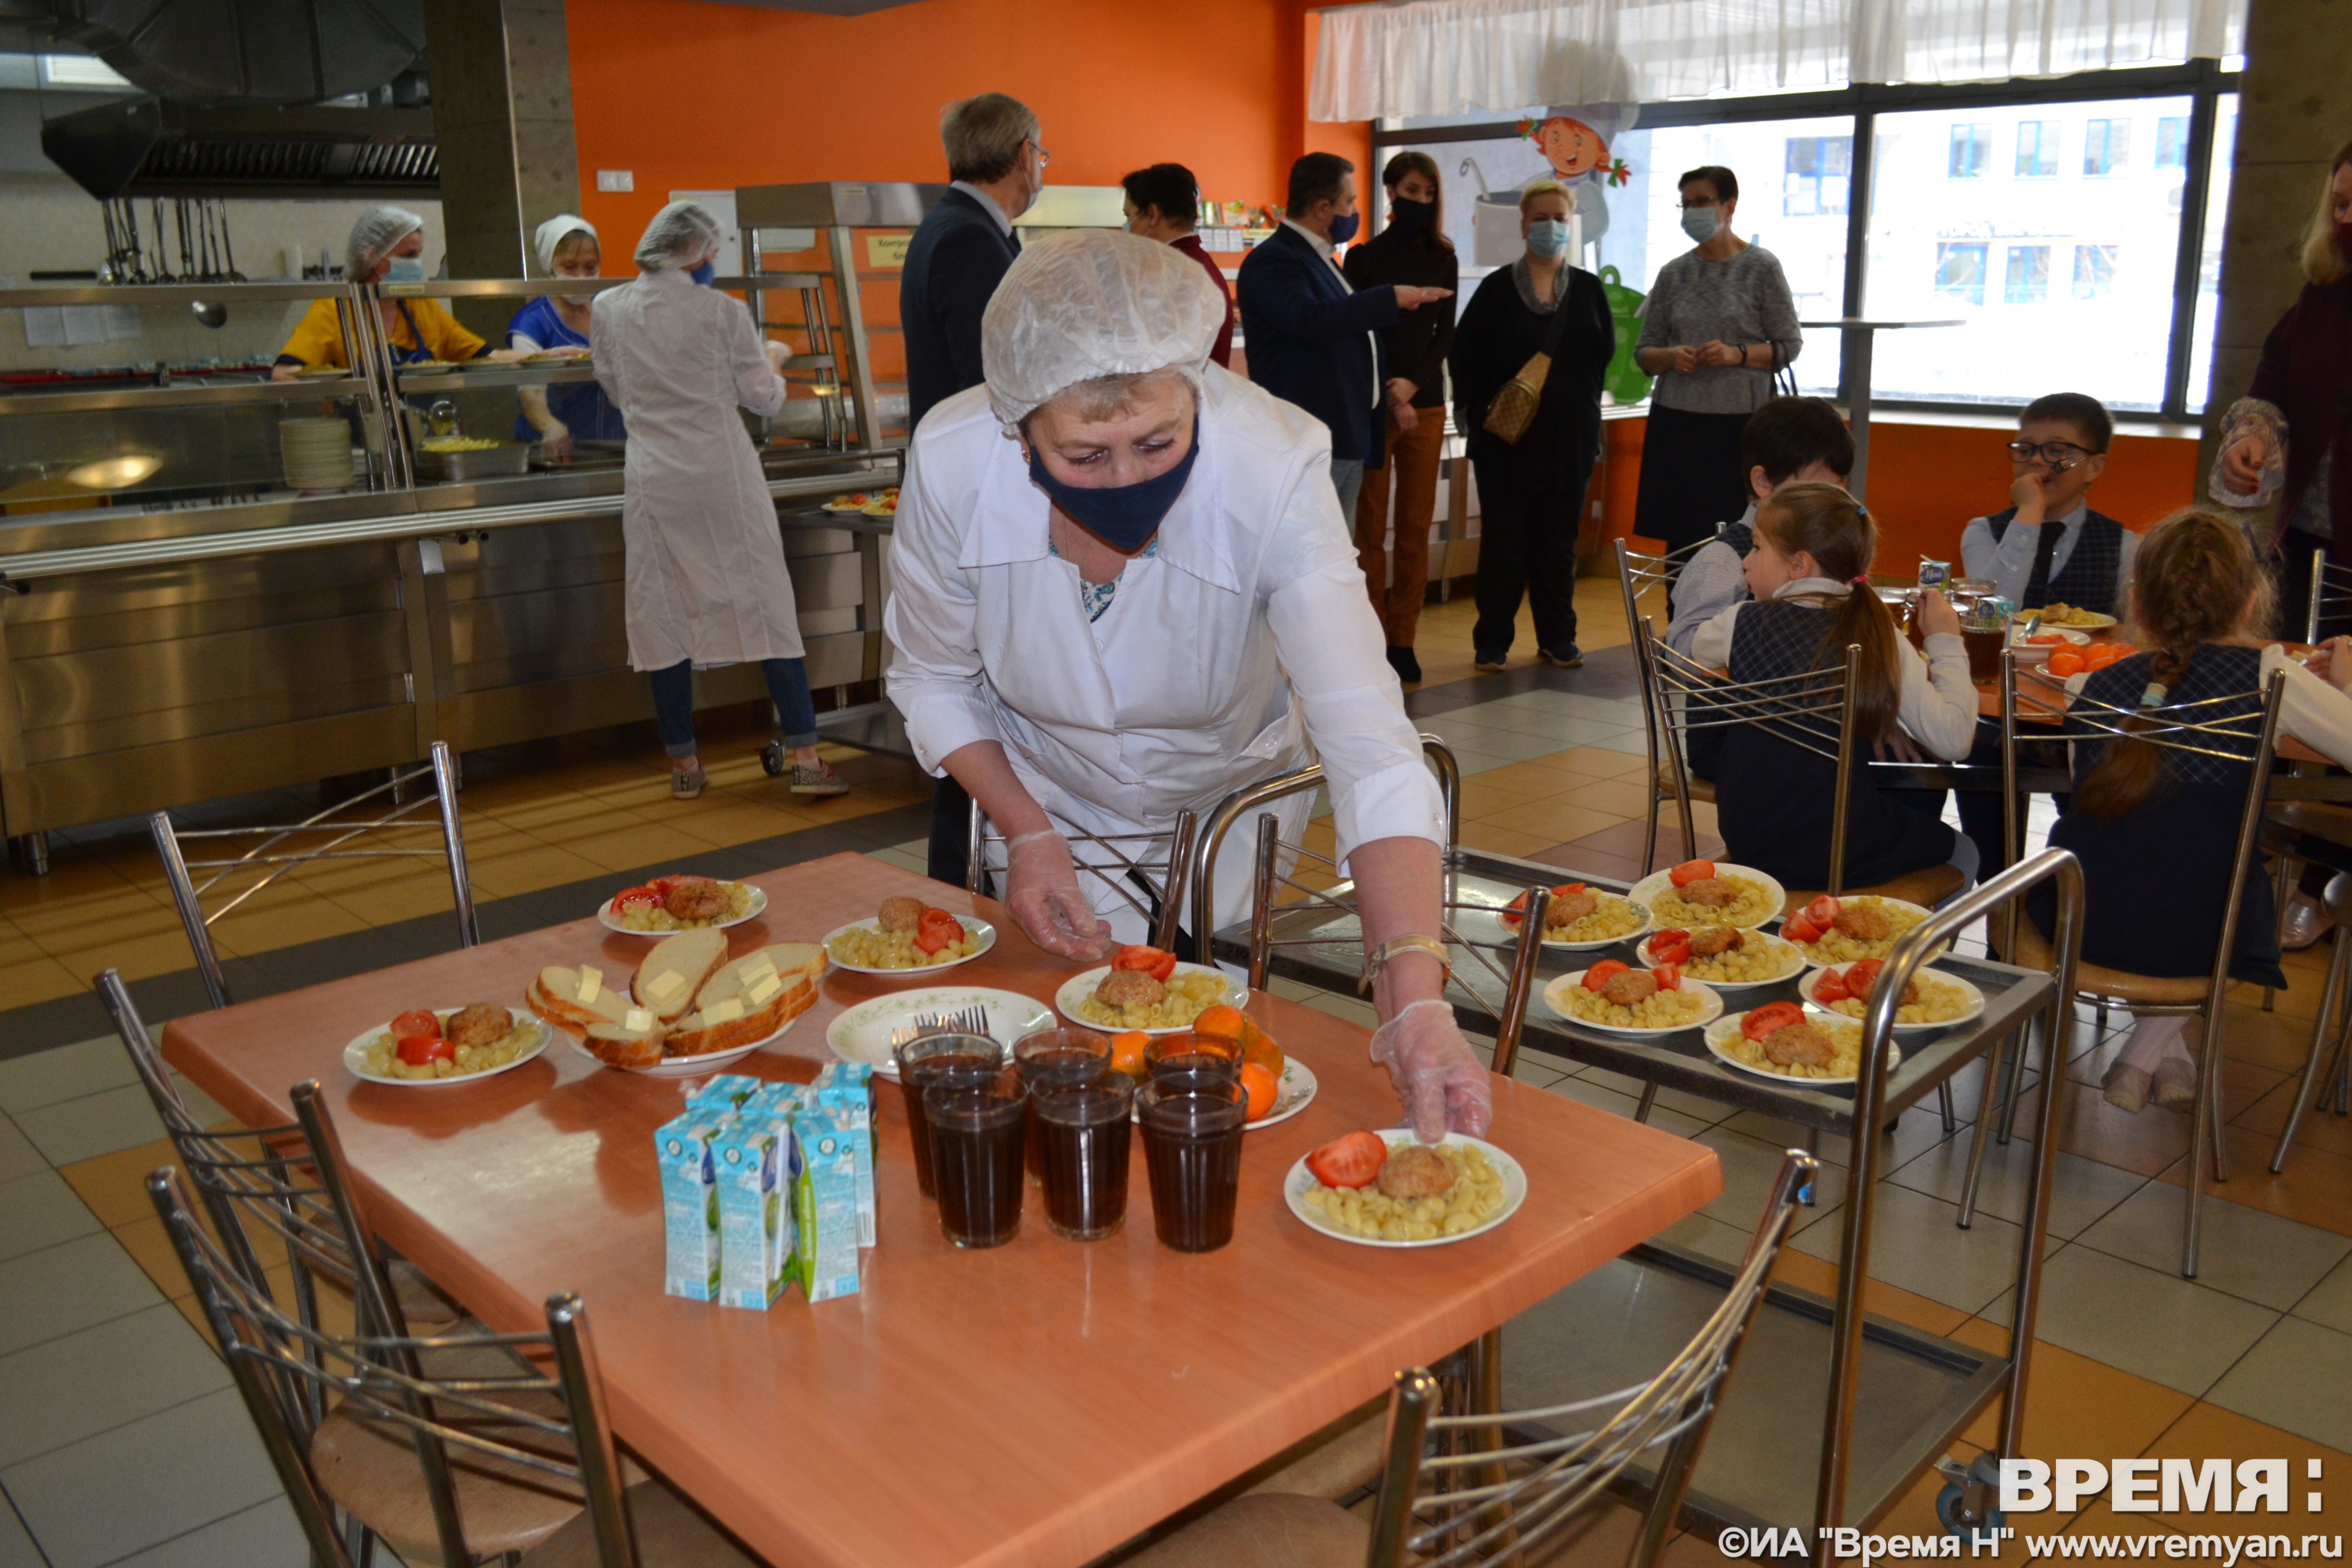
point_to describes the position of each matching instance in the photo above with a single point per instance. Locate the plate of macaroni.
(2068, 616)
(878, 947)
(1139, 1002)
(1580, 917)
(669, 904)
(1934, 1000)
(1724, 956)
(1789, 1042)
(1701, 892)
(1690, 1004)
(471, 1052)
(1862, 927)
(1488, 1188)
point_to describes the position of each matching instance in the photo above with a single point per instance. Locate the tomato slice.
(1669, 977)
(1690, 871)
(630, 897)
(1797, 928)
(1830, 987)
(1599, 974)
(1862, 978)
(938, 929)
(1353, 1161)
(1155, 961)
(1563, 889)
(1769, 1017)
(1821, 912)
(416, 1021)
(1665, 951)
(418, 1050)
(1514, 911)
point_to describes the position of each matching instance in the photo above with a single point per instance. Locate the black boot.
(1408, 668)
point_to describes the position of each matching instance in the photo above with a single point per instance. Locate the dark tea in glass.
(1056, 1057)
(1192, 1150)
(977, 1133)
(932, 1060)
(1083, 1134)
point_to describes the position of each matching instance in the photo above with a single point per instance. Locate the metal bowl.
(509, 459)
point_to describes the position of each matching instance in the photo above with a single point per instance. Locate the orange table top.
(1036, 1403)
(2037, 704)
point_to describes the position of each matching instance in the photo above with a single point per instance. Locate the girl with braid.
(2154, 827)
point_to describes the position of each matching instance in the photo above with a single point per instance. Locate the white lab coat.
(1246, 637)
(706, 563)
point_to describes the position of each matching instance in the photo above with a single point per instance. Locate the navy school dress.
(2153, 877)
(1776, 801)
(582, 406)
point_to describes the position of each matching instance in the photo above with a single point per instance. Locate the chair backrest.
(1812, 710)
(1145, 870)
(1637, 574)
(2331, 596)
(1493, 1487)
(206, 889)
(286, 1370)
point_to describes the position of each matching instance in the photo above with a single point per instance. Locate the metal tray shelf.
(149, 395)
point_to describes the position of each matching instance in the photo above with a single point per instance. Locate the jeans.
(788, 687)
(1348, 478)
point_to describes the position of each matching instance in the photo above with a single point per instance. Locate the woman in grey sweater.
(1718, 323)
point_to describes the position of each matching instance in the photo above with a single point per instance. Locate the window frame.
(2202, 82)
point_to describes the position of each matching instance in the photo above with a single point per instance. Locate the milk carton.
(689, 1205)
(750, 1160)
(824, 1199)
(728, 1091)
(855, 1110)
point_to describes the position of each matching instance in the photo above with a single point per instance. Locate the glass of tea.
(977, 1128)
(1193, 1151)
(1191, 1053)
(1084, 1132)
(1056, 1057)
(932, 1060)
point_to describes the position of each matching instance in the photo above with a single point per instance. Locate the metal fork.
(966, 1021)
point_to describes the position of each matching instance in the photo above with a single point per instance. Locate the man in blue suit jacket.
(1311, 339)
(959, 254)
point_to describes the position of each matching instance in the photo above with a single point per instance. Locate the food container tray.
(509, 459)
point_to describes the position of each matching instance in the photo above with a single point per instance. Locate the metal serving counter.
(206, 629)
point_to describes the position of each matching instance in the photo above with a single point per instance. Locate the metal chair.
(1636, 574)
(2336, 1092)
(1152, 885)
(1473, 1487)
(2239, 728)
(504, 1454)
(260, 1189)
(325, 835)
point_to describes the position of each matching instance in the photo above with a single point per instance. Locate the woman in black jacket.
(1412, 249)
(1529, 493)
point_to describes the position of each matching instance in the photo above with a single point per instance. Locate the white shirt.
(2009, 563)
(1710, 581)
(987, 203)
(1245, 637)
(1331, 254)
(1939, 701)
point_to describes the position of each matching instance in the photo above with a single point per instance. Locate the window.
(1972, 151)
(2172, 141)
(1815, 184)
(2027, 281)
(2094, 272)
(2037, 150)
(2207, 320)
(1961, 273)
(2106, 144)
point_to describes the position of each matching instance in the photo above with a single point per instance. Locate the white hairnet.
(373, 238)
(681, 234)
(555, 231)
(1094, 302)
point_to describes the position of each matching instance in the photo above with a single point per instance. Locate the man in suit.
(954, 261)
(1313, 339)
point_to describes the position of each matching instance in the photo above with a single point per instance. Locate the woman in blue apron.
(557, 415)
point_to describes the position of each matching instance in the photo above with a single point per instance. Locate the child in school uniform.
(1788, 440)
(2155, 827)
(1808, 570)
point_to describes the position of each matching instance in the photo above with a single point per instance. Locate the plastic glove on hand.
(1441, 1083)
(1041, 891)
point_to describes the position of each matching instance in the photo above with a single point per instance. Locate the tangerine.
(1261, 1086)
(1224, 1022)
(1261, 1051)
(2066, 662)
(1126, 1053)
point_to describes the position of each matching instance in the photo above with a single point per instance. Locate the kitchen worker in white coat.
(707, 585)
(1124, 589)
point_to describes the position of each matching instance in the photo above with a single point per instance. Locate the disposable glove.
(1042, 891)
(1442, 1085)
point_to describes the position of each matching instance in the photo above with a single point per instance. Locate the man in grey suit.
(958, 255)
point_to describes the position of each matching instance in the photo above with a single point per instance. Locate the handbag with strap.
(1514, 408)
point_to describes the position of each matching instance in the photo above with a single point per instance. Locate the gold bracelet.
(1378, 958)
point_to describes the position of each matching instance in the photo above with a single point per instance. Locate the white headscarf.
(555, 231)
(1094, 302)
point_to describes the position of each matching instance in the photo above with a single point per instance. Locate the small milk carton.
(689, 1205)
(726, 1093)
(852, 1100)
(750, 1160)
(824, 1199)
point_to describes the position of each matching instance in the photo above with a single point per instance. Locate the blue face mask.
(1124, 517)
(1700, 223)
(1548, 236)
(404, 270)
(1343, 229)
(705, 273)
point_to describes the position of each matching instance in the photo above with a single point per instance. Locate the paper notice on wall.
(85, 323)
(44, 327)
(885, 251)
(122, 321)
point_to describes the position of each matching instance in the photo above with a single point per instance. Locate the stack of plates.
(318, 453)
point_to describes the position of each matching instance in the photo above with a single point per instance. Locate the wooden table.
(1037, 1404)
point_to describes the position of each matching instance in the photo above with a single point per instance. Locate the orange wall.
(693, 96)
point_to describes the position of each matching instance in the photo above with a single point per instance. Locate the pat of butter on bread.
(664, 986)
(591, 982)
(767, 986)
(725, 1012)
(637, 1018)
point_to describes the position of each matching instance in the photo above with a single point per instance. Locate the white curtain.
(1455, 56)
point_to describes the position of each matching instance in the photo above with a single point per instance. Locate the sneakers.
(2125, 1088)
(688, 783)
(2176, 1083)
(2305, 924)
(1568, 658)
(817, 778)
(1402, 660)
(1486, 663)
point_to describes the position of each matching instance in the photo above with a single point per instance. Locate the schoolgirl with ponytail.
(1775, 801)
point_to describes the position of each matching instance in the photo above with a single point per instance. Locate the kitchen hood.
(148, 147)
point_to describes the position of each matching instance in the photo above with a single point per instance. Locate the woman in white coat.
(1124, 589)
(707, 585)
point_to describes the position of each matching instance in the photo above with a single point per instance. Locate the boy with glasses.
(2048, 547)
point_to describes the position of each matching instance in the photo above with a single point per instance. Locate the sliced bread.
(561, 994)
(676, 970)
(618, 1045)
(722, 1023)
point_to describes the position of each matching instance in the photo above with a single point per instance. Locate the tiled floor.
(121, 1442)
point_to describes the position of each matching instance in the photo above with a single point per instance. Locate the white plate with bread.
(688, 1009)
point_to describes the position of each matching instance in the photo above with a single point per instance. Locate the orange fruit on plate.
(1262, 1087)
(1126, 1053)
(1261, 1051)
(1223, 1021)
(2066, 662)
(2098, 655)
